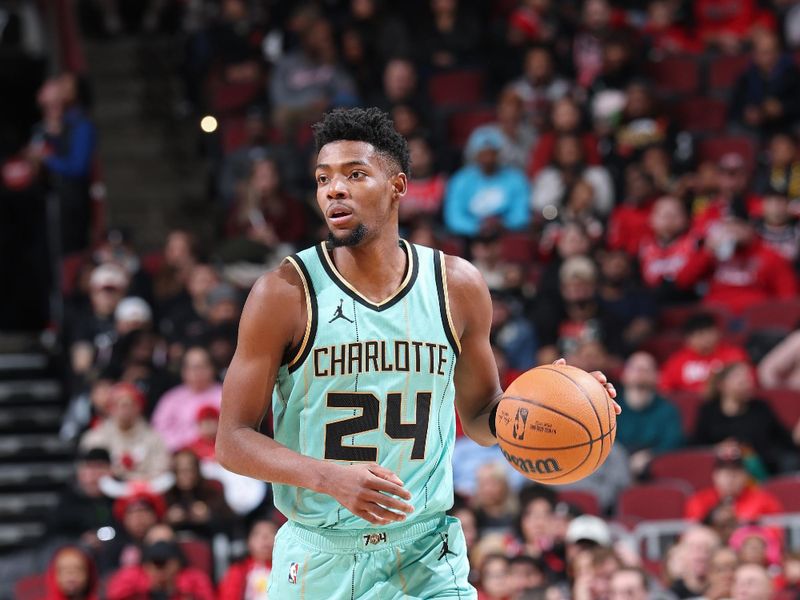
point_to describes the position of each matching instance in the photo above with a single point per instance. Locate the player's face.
(356, 191)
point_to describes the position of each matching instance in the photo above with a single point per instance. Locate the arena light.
(208, 124)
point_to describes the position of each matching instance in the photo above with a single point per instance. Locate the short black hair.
(370, 125)
(699, 322)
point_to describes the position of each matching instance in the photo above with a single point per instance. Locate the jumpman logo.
(338, 314)
(445, 548)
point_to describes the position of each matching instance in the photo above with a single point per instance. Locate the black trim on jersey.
(312, 333)
(412, 260)
(437, 270)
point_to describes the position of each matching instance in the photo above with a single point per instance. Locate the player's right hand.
(371, 492)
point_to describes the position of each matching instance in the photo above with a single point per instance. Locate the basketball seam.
(589, 400)
(593, 440)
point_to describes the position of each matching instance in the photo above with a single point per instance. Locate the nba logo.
(520, 419)
(293, 567)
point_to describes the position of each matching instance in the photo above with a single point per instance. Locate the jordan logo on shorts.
(293, 568)
(445, 548)
(339, 314)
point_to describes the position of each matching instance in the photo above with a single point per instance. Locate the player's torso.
(374, 383)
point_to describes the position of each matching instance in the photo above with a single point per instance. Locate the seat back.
(693, 466)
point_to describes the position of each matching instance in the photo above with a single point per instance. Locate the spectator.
(763, 96)
(137, 509)
(727, 26)
(586, 532)
(731, 186)
(194, 503)
(163, 573)
(780, 368)
(730, 490)
(137, 450)
(186, 318)
(308, 81)
(664, 254)
(625, 298)
(652, 424)
(536, 530)
(494, 581)
(593, 582)
(426, 184)
(82, 508)
(629, 224)
(758, 545)
(781, 173)
(512, 332)
(751, 582)
(629, 583)
(384, 35)
(249, 577)
(789, 579)
(518, 134)
(485, 189)
(778, 228)
(702, 355)
(664, 33)
(64, 145)
(92, 330)
(71, 575)
(618, 64)
(203, 445)
(587, 45)
(400, 85)
(565, 118)
(580, 206)
(721, 573)
(180, 255)
(132, 314)
(525, 574)
(175, 415)
(449, 38)
(694, 551)
(533, 22)
(558, 244)
(568, 167)
(733, 413)
(578, 317)
(494, 502)
(539, 86)
(87, 408)
(609, 480)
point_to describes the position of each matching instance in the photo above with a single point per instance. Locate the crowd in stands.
(626, 177)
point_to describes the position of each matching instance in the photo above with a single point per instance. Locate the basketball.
(556, 424)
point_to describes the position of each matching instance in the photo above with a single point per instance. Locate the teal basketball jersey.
(371, 383)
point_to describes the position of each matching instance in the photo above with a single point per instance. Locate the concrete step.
(27, 504)
(28, 391)
(18, 534)
(25, 365)
(30, 419)
(34, 446)
(48, 475)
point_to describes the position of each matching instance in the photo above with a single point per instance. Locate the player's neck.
(375, 267)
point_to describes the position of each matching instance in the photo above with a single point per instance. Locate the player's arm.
(476, 379)
(274, 320)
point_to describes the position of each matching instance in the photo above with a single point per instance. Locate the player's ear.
(399, 184)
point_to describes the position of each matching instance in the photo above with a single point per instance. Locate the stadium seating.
(654, 501)
(701, 115)
(785, 403)
(786, 490)
(672, 318)
(462, 123)
(661, 346)
(693, 466)
(723, 71)
(456, 88)
(676, 75)
(198, 554)
(585, 501)
(31, 587)
(517, 248)
(688, 404)
(713, 148)
(772, 314)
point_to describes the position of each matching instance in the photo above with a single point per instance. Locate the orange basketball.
(556, 424)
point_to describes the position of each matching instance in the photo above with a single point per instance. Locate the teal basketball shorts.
(418, 561)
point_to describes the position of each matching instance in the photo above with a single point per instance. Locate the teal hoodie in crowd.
(655, 427)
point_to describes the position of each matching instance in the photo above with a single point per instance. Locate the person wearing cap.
(732, 489)
(93, 328)
(484, 188)
(132, 313)
(739, 269)
(577, 316)
(82, 508)
(586, 531)
(175, 415)
(163, 573)
(137, 451)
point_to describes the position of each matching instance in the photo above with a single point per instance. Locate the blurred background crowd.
(624, 174)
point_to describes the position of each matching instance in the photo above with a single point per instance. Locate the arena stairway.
(34, 463)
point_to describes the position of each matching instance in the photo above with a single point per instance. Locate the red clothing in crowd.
(424, 196)
(628, 227)
(660, 262)
(732, 17)
(546, 146)
(203, 448)
(52, 591)
(133, 583)
(672, 39)
(754, 274)
(716, 209)
(234, 585)
(687, 370)
(750, 505)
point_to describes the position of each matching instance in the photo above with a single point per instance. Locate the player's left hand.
(600, 376)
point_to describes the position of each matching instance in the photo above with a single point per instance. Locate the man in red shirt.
(731, 490)
(702, 355)
(739, 268)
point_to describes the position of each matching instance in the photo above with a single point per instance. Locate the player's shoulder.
(281, 287)
(462, 276)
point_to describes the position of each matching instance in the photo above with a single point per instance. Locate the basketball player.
(363, 344)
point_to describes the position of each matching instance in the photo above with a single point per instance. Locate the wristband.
(492, 417)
